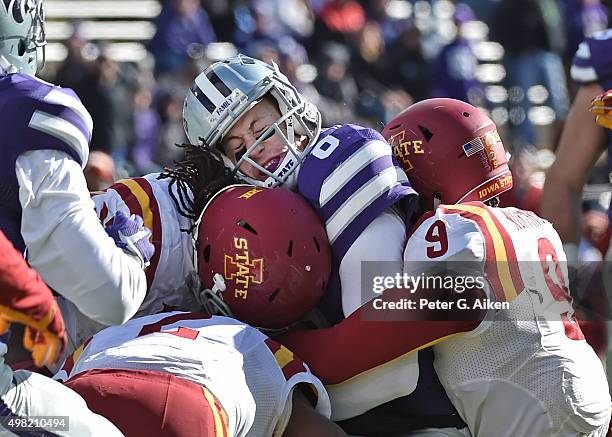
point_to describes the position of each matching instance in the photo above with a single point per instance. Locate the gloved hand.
(131, 235)
(25, 299)
(601, 106)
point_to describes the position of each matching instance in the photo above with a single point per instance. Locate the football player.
(267, 246)
(507, 343)
(44, 203)
(268, 269)
(265, 132)
(25, 396)
(582, 143)
(189, 374)
(271, 270)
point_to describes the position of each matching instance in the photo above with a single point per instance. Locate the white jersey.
(150, 198)
(252, 376)
(526, 370)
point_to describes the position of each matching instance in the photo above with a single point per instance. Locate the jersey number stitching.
(437, 234)
(558, 288)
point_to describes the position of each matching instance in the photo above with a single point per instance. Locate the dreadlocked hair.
(197, 178)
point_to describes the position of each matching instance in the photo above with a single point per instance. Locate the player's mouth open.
(273, 164)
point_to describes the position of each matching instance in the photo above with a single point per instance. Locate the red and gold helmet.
(450, 150)
(270, 248)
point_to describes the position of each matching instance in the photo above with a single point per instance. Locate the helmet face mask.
(227, 90)
(22, 32)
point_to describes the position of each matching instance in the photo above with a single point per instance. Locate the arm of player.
(27, 300)
(91, 271)
(578, 149)
(305, 421)
(375, 334)
(369, 338)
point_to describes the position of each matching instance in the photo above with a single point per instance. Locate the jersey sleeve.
(295, 372)
(457, 241)
(592, 61)
(51, 117)
(66, 243)
(350, 178)
(442, 241)
(466, 241)
(381, 243)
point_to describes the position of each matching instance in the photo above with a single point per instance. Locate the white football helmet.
(22, 31)
(226, 90)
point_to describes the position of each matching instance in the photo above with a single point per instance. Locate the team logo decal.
(250, 193)
(491, 139)
(402, 149)
(241, 269)
(495, 186)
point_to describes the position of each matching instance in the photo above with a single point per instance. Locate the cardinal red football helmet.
(451, 152)
(271, 250)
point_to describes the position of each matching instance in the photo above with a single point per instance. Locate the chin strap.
(437, 200)
(212, 299)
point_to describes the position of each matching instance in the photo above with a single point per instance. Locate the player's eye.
(265, 134)
(239, 153)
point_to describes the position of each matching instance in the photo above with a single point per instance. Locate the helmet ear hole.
(206, 253)
(273, 295)
(244, 224)
(316, 242)
(426, 133)
(21, 47)
(290, 249)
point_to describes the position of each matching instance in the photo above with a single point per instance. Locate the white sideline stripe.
(371, 151)
(63, 130)
(362, 198)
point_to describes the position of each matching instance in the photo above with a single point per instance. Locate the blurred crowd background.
(132, 61)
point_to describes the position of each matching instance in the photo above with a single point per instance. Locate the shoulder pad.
(47, 116)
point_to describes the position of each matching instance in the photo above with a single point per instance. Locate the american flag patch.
(474, 146)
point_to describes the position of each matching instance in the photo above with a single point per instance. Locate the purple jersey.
(350, 178)
(36, 115)
(593, 63)
(593, 60)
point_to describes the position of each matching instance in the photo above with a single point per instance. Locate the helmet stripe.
(202, 98)
(210, 91)
(218, 83)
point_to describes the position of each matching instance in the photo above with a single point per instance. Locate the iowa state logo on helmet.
(241, 269)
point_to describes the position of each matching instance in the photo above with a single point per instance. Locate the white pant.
(26, 394)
